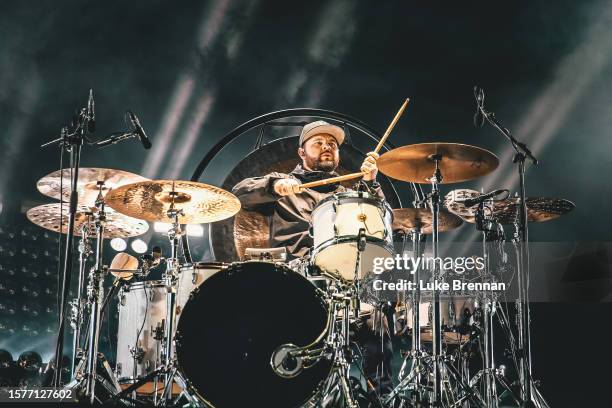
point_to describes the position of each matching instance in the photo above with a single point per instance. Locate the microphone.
(151, 260)
(478, 116)
(146, 143)
(91, 113)
(479, 199)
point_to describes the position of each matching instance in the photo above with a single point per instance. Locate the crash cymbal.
(407, 219)
(151, 200)
(87, 185)
(458, 162)
(539, 209)
(117, 225)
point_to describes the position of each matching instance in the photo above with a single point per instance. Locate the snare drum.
(337, 224)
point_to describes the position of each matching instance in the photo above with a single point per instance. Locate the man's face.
(321, 153)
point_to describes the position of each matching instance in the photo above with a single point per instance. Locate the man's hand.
(287, 186)
(369, 166)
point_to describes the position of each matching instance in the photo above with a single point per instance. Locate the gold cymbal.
(117, 225)
(458, 162)
(87, 185)
(539, 209)
(151, 200)
(407, 219)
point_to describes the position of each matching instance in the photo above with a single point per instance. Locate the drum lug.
(193, 293)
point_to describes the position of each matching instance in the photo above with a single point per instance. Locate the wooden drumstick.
(391, 126)
(351, 176)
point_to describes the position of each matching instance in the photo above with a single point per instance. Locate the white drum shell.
(336, 223)
(145, 302)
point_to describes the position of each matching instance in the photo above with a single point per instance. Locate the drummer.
(319, 151)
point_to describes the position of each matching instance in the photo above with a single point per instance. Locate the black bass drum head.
(230, 327)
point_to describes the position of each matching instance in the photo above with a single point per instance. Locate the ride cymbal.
(151, 200)
(417, 163)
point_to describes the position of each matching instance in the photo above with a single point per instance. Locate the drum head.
(232, 324)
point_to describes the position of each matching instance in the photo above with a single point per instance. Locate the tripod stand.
(435, 365)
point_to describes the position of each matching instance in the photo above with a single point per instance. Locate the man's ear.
(301, 152)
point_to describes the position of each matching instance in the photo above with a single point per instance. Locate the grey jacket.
(290, 215)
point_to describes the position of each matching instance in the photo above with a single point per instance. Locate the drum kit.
(264, 332)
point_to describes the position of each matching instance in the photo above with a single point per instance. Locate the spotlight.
(30, 361)
(139, 246)
(118, 244)
(6, 359)
(161, 227)
(195, 230)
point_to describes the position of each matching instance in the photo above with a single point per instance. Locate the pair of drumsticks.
(358, 174)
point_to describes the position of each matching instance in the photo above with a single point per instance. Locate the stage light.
(30, 361)
(139, 246)
(195, 230)
(6, 359)
(161, 227)
(118, 244)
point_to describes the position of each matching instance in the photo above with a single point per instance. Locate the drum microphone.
(151, 260)
(483, 197)
(91, 113)
(285, 362)
(146, 143)
(478, 116)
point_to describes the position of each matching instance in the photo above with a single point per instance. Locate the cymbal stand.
(416, 354)
(438, 363)
(173, 267)
(489, 374)
(95, 294)
(437, 356)
(78, 304)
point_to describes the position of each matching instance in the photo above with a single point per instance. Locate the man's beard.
(324, 165)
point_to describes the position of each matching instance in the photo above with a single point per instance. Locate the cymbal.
(539, 209)
(407, 219)
(87, 185)
(117, 225)
(151, 200)
(459, 162)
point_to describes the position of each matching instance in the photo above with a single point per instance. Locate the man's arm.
(262, 190)
(257, 190)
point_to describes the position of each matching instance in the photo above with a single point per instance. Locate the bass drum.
(232, 324)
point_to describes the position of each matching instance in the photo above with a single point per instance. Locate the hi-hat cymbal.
(151, 200)
(407, 219)
(117, 225)
(458, 162)
(539, 209)
(87, 185)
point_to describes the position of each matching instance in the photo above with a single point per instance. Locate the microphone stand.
(522, 238)
(71, 140)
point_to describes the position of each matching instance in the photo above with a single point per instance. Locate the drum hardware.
(423, 163)
(528, 396)
(78, 304)
(288, 360)
(71, 140)
(95, 293)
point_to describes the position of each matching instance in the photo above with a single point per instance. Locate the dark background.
(194, 70)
